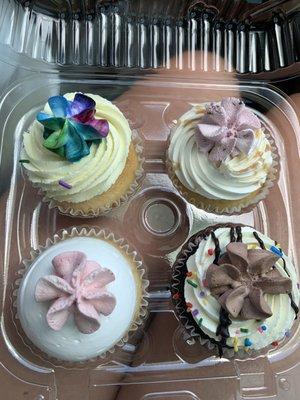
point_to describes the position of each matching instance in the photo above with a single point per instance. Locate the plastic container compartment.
(161, 362)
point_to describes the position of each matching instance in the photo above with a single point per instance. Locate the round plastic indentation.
(161, 217)
(158, 220)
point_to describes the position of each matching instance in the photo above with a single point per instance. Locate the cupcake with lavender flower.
(80, 152)
(221, 157)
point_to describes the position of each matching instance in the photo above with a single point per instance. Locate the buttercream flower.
(241, 279)
(78, 287)
(72, 127)
(226, 129)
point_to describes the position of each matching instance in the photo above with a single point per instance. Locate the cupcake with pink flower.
(81, 296)
(221, 157)
(80, 152)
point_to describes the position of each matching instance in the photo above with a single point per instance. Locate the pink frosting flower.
(78, 286)
(226, 129)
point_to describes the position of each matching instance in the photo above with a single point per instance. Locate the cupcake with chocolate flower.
(80, 152)
(234, 287)
(81, 296)
(221, 158)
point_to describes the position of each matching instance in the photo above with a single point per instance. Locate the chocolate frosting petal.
(272, 285)
(221, 275)
(231, 271)
(258, 301)
(261, 261)
(237, 253)
(219, 290)
(235, 300)
(224, 259)
(249, 311)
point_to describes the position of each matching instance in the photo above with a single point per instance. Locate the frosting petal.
(86, 317)
(212, 132)
(97, 279)
(218, 275)
(244, 141)
(65, 263)
(246, 119)
(215, 115)
(260, 305)
(272, 285)
(232, 106)
(238, 254)
(235, 300)
(261, 261)
(50, 122)
(101, 125)
(104, 303)
(51, 287)
(59, 106)
(58, 313)
(80, 104)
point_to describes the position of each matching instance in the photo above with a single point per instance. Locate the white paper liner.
(139, 174)
(180, 306)
(127, 250)
(245, 205)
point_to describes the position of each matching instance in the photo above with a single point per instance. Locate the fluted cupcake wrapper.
(235, 207)
(93, 213)
(141, 311)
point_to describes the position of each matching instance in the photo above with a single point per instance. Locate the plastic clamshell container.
(161, 362)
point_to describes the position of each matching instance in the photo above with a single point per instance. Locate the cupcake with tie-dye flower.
(81, 153)
(221, 157)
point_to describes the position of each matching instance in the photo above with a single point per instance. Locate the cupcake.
(80, 152)
(221, 158)
(81, 296)
(234, 287)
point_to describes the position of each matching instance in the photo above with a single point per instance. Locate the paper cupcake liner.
(141, 310)
(185, 317)
(139, 174)
(240, 206)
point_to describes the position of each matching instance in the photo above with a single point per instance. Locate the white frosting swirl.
(93, 174)
(236, 178)
(208, 307)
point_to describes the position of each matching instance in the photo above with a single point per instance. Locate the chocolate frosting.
(241, 279)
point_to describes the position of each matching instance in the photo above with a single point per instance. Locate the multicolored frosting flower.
(241, 279)
(72, 127)
(227, 129)
(78, 287)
